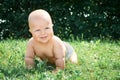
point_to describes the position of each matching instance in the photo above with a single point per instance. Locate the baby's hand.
(54, 71)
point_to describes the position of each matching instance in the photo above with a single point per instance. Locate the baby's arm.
(59, 52)
(29, 57)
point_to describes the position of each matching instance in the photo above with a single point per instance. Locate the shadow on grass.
(12, 72)
(43, 66)
(21, 71)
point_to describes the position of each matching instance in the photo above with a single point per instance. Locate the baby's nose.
(42, 32)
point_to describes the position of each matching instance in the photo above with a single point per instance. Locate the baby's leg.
(73, 58)
(70, 53)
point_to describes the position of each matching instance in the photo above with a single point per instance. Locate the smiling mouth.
(44, 37)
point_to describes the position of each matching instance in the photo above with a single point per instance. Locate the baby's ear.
(52, 25)
(30, 30)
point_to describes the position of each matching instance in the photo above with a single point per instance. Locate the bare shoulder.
(59, 47)
(57, 41)
(30, 42)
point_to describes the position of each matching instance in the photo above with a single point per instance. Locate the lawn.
(98, 60)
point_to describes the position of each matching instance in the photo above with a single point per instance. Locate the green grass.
(98, 60)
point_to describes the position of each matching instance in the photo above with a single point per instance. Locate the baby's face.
(42, 31)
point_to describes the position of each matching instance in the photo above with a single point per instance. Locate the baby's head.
(40, 25)
(39, 15)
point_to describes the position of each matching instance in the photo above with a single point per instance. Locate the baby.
(44, 44)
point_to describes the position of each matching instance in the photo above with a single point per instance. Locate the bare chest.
(44, 52)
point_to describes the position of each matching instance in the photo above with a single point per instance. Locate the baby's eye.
(47, 28)
(37, 30)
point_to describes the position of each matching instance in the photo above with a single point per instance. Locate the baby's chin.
(43, 41)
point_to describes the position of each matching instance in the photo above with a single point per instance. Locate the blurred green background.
(78, 19)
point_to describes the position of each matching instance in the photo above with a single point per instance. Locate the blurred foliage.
(84, 19)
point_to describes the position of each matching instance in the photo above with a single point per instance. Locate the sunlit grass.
(98, 60)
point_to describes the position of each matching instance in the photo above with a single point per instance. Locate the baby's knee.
(73, 58)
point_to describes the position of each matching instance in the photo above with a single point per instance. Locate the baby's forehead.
(39, 14)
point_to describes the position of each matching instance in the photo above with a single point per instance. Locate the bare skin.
(44, 43)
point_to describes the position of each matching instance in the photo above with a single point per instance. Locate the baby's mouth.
(44, 37)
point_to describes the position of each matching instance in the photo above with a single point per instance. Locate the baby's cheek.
(36, 37)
